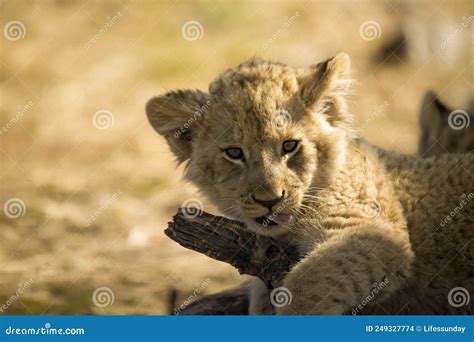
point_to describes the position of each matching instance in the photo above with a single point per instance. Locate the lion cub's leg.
(340, 273)
(259, 298)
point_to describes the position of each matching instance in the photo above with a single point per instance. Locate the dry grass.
(65, 170)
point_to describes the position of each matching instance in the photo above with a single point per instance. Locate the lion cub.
(272, 146)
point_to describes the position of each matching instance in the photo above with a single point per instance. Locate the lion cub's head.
(263, 139)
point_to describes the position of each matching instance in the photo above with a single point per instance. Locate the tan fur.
(361, 215)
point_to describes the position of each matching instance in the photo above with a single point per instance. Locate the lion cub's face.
(263, 139)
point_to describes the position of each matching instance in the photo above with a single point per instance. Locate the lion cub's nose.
(269, 203)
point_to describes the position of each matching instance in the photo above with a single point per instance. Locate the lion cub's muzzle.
(275, 217)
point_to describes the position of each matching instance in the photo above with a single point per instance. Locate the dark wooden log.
(227, 240)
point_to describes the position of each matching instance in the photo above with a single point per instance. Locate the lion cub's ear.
(433, 113)
(433, 121)
(176, 116)
(324, 88)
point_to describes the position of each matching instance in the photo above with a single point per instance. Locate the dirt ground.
(87, 187)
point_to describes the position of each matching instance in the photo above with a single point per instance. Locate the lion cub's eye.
(234, 153)
(289, 146)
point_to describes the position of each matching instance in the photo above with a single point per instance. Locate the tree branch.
(227, 240)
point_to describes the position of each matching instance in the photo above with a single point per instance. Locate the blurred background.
(87, 187)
